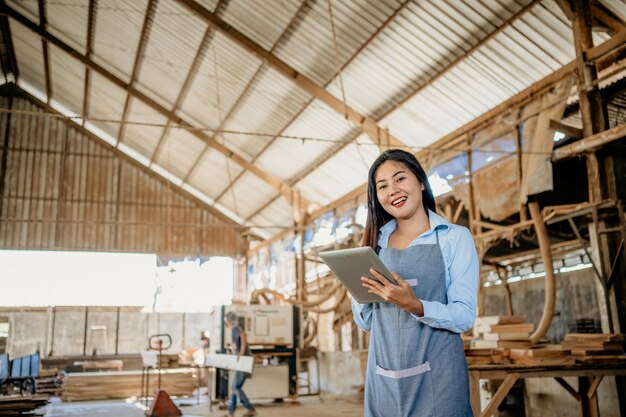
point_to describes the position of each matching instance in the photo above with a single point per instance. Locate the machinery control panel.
(264, 324)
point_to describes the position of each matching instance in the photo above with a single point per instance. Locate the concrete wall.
(342, 372)
(61, 330)
(575, 299)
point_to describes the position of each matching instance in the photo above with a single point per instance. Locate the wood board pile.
(22, 405)
(51, 385)
(485, 356)
(492, 332)
(108, 385)
(595, 348)
(542, 355)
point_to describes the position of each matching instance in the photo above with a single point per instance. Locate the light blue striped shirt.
(461, 263)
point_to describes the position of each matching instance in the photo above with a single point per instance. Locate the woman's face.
(398, 190)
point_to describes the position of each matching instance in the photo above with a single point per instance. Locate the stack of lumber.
(106, 385)
(49, 382)
(595, 347)
(22, 405)
(542, 355)
(493, 332)
(486, 356)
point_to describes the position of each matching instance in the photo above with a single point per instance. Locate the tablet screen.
(349, 265)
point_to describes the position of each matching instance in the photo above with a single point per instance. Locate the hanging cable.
(336, 58)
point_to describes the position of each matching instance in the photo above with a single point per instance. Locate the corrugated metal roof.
(174, 40)
(29, 58)
(68, 78)
(421, 69)
(106, 103)
(216, 88)
(117, 31)
(211, 174)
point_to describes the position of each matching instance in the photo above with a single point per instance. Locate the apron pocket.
(405, 392)
(404, 373)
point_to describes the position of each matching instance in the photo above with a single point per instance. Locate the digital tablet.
(349, 265)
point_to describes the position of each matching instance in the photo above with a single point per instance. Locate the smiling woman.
(416, 356)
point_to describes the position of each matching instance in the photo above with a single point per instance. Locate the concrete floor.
(304, 406)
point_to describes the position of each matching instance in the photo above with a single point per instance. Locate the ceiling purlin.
(43, 24)
(139, 56)
(8, 44)
(91, 28)
(191, 75)
(195, 164)
(367, 124)
(205, 43)
(44, 34)
(606, 17)
(343, 66)
(409, 96)
(296, 19)
(421, 87)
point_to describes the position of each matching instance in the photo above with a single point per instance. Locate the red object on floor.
(163, 406)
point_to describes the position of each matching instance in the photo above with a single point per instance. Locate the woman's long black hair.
(376, 215)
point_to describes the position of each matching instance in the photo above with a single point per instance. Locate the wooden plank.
(567, 387)
(500, 394)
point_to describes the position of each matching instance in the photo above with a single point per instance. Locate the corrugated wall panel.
(66, 191)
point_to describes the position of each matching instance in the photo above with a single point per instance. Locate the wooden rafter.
(139, 56)
(448, 68)
(606, 17)
(91, 28)
(8, 43)
(43, 23)
(296, 18)
(205, 43)
(285, 189)
(191, 76)
(365, 123)
(343, 66)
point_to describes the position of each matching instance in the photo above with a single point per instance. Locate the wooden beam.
(205, 42)
(91, 28)
(367, 124)
(5, 153)
(566, 8)
(596, 53)
(8, 42)
(590, 143)
(336, 149)
(567, 387)
(591, 108)
(500, 394)
(290, 28)
(43, 23)
(139, 56)
(607, 17)
(175, 119)
(570, 131)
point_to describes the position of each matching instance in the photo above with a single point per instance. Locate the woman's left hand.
(401, 295)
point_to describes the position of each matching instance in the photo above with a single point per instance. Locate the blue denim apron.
(414, 369)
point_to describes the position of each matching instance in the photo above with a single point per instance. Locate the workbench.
(589, 377)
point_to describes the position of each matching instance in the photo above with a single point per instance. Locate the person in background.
(416, 363)
(239, 346)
